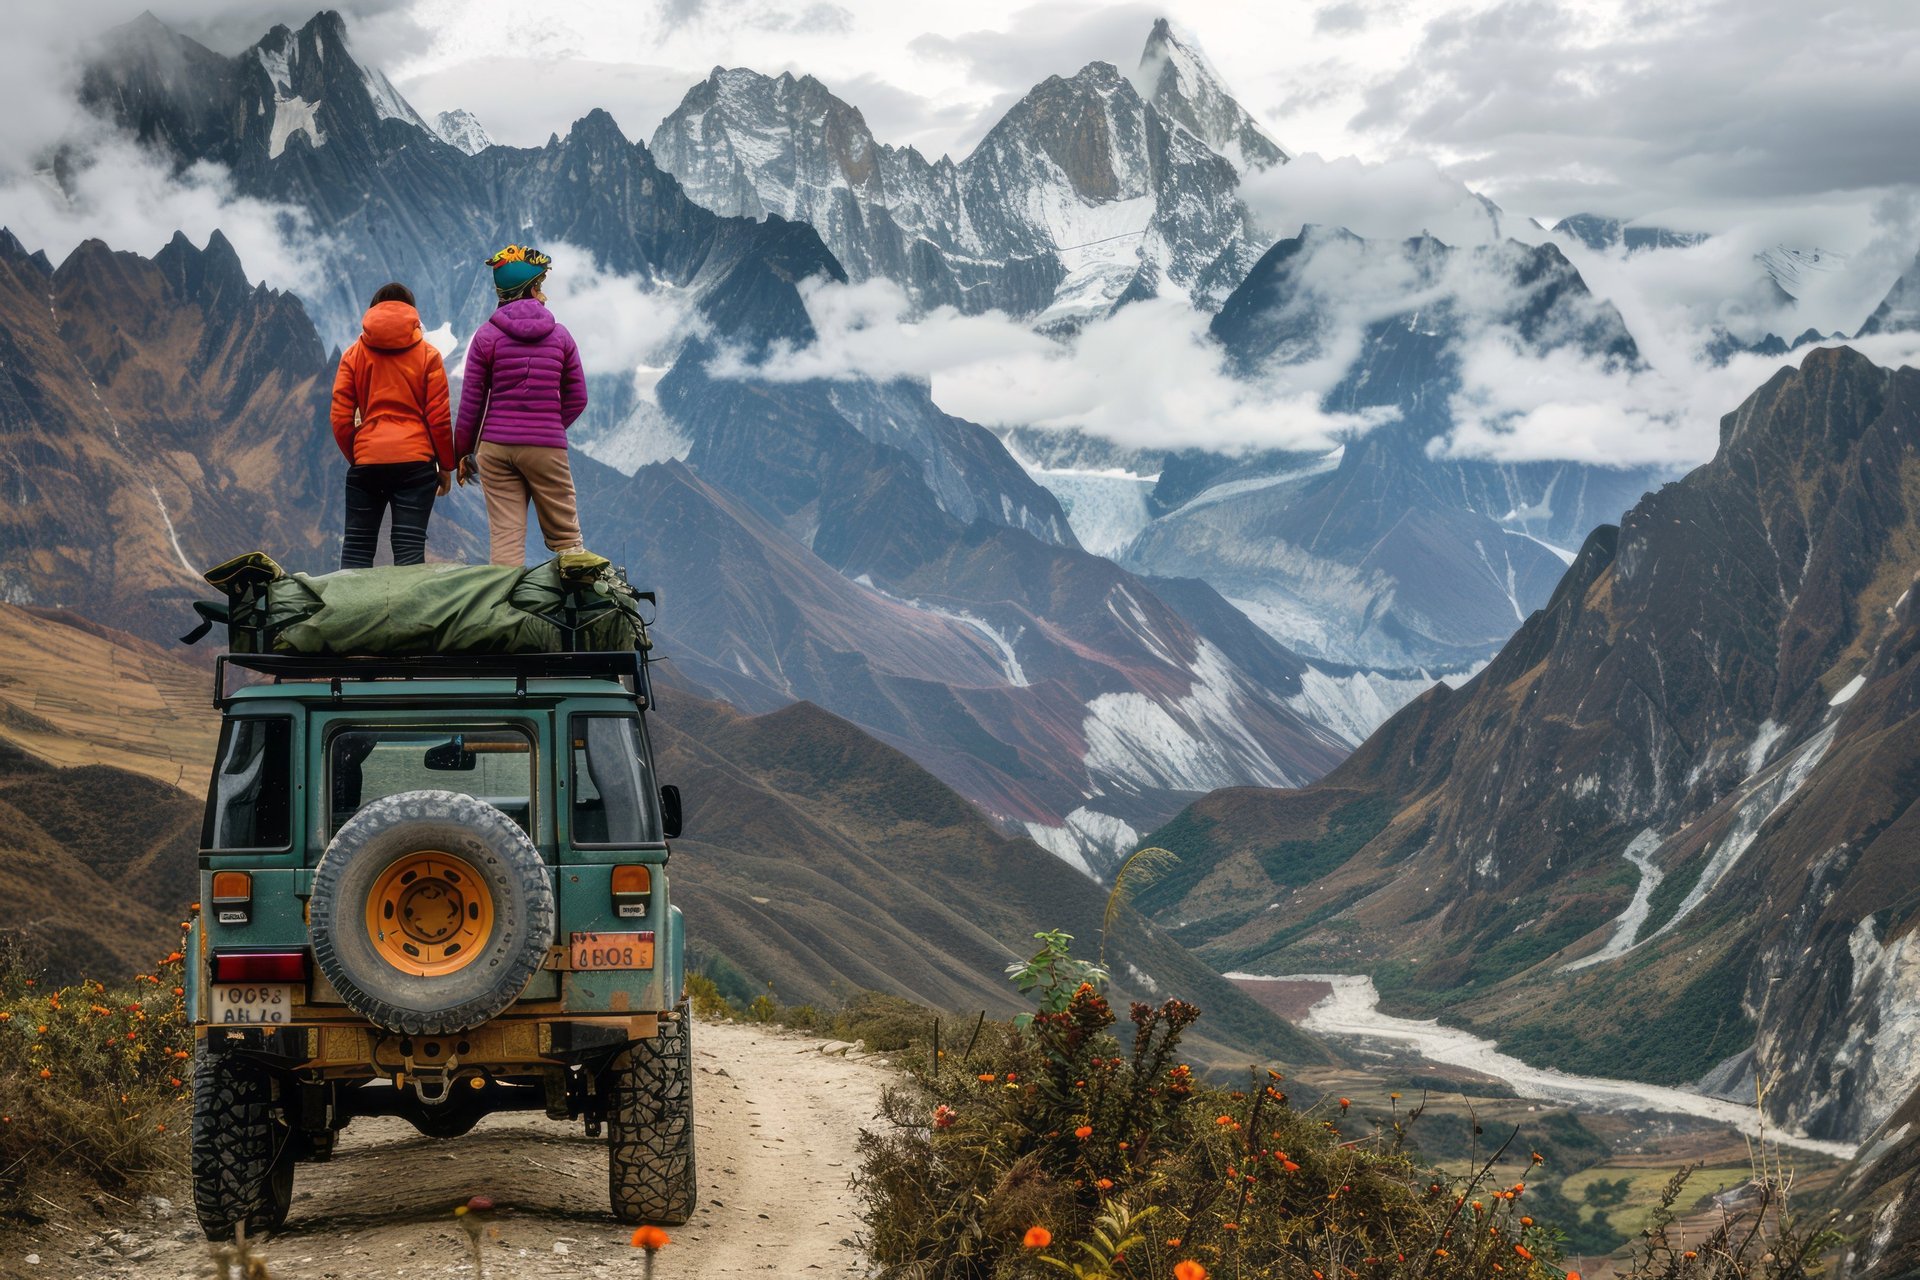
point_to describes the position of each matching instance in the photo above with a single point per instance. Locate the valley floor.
(777, 1122)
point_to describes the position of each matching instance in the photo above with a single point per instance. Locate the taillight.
(260, 966)
(232, 897)
(631, 888)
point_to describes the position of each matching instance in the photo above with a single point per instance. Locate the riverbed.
(1350, 1011)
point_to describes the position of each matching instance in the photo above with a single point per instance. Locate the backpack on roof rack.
(575, 603)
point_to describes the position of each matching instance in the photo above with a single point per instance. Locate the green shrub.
(93, 1080)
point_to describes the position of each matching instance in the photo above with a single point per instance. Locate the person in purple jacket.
(522, 389)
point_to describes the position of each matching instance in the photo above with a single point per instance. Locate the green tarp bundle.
(574, 603)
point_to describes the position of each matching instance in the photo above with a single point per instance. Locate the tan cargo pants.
(510, 475)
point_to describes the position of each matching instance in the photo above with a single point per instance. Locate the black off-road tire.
(516, 876)
(649, 1093)
(242, 1147)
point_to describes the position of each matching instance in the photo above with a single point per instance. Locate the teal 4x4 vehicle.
(435, 887)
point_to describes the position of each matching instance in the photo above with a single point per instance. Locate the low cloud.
(623, 323)
(1387, 201)
(996, 371)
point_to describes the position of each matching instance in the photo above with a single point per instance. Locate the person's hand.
(445, 486)
(467, 469)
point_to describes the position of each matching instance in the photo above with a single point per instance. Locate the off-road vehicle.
(433, 884)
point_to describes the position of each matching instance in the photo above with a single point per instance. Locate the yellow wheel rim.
(429, 913)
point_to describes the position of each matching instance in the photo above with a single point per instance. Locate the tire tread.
(650, 1158)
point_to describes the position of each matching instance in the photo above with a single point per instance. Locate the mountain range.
(1665, 833)
(1091, 189)
(1141, 172)
(857, 547)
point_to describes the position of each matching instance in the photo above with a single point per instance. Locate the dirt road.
(775, 1128)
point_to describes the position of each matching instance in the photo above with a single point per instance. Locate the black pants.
(408, 488)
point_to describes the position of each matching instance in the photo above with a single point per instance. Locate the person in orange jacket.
(393, 421)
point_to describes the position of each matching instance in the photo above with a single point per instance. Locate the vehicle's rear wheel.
(242, 1147)
(431, 910)
(649, 1094)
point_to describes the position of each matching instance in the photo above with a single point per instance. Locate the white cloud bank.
(1148, 376)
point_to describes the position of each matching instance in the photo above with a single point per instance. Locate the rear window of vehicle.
(371, 762)
(250, 803)
(613, 800)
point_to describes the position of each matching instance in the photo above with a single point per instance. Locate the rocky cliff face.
(1091, 188)
(1665, 829)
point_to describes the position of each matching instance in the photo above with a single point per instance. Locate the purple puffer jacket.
(523, 379)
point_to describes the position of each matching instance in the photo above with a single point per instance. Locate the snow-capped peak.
(1178, 79)
(460, 129)
(387, 102)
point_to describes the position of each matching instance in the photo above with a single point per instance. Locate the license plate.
(252, 1004)
(593, 951)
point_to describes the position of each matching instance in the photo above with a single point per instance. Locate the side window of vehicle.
(613, 800)
(250, 804)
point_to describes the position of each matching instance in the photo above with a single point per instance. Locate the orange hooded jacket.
(390, 396)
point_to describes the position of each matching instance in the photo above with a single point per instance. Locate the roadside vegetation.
(1074, 1141)
(93, 1083)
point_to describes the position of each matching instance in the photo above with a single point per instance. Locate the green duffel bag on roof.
(574, 603)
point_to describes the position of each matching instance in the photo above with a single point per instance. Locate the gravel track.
(777, 1115)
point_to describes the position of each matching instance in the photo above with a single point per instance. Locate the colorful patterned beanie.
(518, 266)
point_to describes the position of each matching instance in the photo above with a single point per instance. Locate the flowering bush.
(93, 1079)
(1058, 1149)
(1121, 1150)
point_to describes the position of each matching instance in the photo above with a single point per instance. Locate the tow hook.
(433, 1085)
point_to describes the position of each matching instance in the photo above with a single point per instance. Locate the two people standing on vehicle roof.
(522, 388)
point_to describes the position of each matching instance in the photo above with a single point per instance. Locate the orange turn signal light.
(631, 885)
(232, 896)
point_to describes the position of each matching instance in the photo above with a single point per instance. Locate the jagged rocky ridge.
(156, 415)
(1091, 189)
(1666, 830)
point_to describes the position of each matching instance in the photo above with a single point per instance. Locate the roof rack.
(628, 664)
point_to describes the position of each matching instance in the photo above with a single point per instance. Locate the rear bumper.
(325, 1044)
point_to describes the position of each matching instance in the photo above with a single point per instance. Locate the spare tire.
(431, 911)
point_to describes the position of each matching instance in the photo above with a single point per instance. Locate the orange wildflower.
(1037, 1238)
(1523, 1251)
(46, 1073)
(1188, 1270)
(1105, 1184)
(1084, 1132)
(986, 1077)
(652, 1239)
